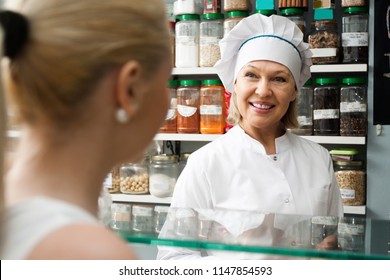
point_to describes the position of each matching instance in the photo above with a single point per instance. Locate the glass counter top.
(246, 234)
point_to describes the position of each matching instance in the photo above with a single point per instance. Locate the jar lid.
(189, 17)
(349, 163)
(237, 14)
(212, 82)
(190, 82)
(163, 157)
(265, 12)
(185, 156)
(291, 11)
(354, 81)
(326, 81)
(213, 16)
(309, 82)
(355, 10)
(173, 83)
(349, 152)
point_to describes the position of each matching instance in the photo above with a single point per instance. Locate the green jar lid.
(173, 83)
(309, 82)
(187, 83)
(291, 11)
(327, 81)
(189, 17)
(237, 14)
(354, 81)
(265, 12)
(349, 163)
(212, 82)
(355, 10)
(213, 16)
(163, 157)
(346, 151)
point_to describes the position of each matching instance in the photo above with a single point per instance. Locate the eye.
(250, 75)
(280, 79)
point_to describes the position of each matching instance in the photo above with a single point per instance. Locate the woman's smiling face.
(264, 91)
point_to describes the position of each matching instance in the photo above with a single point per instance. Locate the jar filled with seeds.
(211, 32)
(231, 20)
(212, 101)
(134, 178)
(351, 178)
(295, 15)
(142, 217)
(164, 171)
(187, 41)
(121, 216)
(352, 3)
(188, 95)
(170, 123)
(354, 36)
(326, 107)
(236, 5)
(324, 42)
(305, 109)
(353, 107)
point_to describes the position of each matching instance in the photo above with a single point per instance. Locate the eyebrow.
(256, 68)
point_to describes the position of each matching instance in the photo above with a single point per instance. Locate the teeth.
(261, 106)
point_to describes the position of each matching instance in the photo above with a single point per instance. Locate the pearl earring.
(122, 116)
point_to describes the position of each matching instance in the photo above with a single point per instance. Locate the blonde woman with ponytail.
(88, 82)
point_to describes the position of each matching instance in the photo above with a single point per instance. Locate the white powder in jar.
(161, 185)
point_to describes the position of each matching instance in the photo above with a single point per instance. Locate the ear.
(127, 92)
(294, 95)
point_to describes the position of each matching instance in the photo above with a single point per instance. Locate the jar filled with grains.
(211, 32)
(351, 178)
(134, 178)
(326, 107)
(187, 41)
(164, 171)
(169, 125)
(212, 101)
(231, 20)
(188, 95)
(353, 107)
(236, 5)
(295, 15)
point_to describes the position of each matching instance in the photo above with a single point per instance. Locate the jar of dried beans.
(134, 178)
(353, 107)
(326, 107)
(295, 15)
(187, 41)
(236, 5)
(169, 124)
(233, 17)
(212, 99)
(211, 32)
(188, 106)
(324, 42)
(354, 36)
(351, 178)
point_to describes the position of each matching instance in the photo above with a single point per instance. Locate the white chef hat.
(259, 37)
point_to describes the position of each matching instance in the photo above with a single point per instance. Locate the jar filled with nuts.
(295, 15)
(134, 178)
(211, 32)
(351, 178)
(324, 42)
(236, 5)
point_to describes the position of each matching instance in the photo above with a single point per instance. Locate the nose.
(263, 88)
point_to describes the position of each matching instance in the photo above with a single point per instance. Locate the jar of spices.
(164, 171)
(236, 5)
(324, 42)
(187, 41)
(160, 215)
(353, 107)
(295, 15)
(211, 6)
(351, 3)
(121, 216)
(169, 125)
(211, 32)
(212, 99)
(231, 20)
(351, 178)
(142, 217)
(305, 109)
(134, 178)
(188, 95)
(265, 12)
(354, 36)
(326, 107)
(351, 234)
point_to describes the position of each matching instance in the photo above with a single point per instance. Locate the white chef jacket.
(234, 172)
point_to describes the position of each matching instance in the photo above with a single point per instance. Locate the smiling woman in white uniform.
(259, 165)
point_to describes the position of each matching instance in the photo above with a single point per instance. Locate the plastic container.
(233, 17)
(188, 96)
(121, 216)
(236, 5)
(170, 123)
(187, 41)
(353, 107)
(326, 107)
(160, 216)
(343, 154)
(212, 115)
(211, 32)
(142, 218)
(351, 178)
(324, 42)
(354, 36)
(295, 15)
(134, 178)
(164, 171)
(305, 110)
(211, 6)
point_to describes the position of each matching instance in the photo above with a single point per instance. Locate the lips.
(261, 106)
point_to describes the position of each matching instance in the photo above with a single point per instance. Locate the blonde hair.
(70, 46)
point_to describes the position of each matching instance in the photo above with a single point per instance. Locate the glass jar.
(172, 40)
(236, 5)
(160, 216)
(351, 178)
(188, 95)
(354, 36)
(121, 216)
(351, 234)
(112, 181)
(233, 17)
(295, 15)
(170, 123)
(265, 12)
(134, 178)
(350, 3)
(164, 171)
(212, 99)
(186, 223)
(183, 161)
(211, 32)
(187, 41)
(322, 227)
(305, 109)
(353, 107)
(211, 6)
(324, 42)
(326, 107)
(142, 217)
